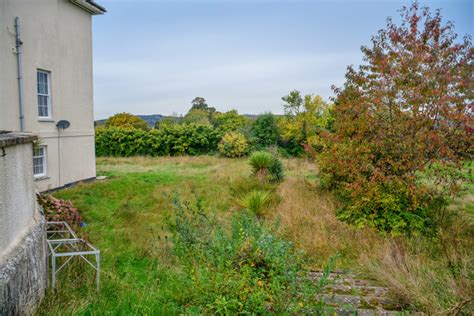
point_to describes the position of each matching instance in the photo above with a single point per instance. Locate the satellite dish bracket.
(63, 124)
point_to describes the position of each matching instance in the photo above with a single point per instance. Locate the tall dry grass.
(433, 275)
(436, 275)
(308, 218)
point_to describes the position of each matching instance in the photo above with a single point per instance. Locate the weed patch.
(244, 269)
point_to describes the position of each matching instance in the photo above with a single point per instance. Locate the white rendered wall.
(23, 253)
(57, 37)
(17, 195)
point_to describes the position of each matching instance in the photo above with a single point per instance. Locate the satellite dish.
(63, 124)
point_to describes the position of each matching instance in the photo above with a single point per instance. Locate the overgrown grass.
(245, 268)
(126, 219)
(430, 274)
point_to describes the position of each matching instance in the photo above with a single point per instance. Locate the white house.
(45, 78)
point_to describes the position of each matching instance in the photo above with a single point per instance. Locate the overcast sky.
(154, 57)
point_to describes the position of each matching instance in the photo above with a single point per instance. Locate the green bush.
(386, 208)
(197, 116)
(256, 201)
(233, 144)
(242, 269)
(264, 132)
(230, 121)
(266, 166)
(191, 139)
(126, 121)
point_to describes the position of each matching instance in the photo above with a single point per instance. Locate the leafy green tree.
(199, 103)
(126, 121)
(264, 131)
(304, 121)
(293, 103)
(196, 116)
(167, 121)
(405, 114)
(230, 121)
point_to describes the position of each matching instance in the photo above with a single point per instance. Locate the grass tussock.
(258, 202)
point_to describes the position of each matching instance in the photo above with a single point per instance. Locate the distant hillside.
(251, 116)
(151, 119)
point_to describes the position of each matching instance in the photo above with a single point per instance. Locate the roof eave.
(90, 6)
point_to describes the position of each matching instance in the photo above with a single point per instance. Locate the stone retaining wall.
(24, 275)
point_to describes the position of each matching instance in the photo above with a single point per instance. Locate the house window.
(44, 94)
(39, 161)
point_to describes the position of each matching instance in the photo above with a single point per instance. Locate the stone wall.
(23, 276)
(23, 252)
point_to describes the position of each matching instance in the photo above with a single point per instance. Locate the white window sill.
(45, 119)
(39, 178)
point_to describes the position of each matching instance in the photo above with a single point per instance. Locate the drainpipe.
(18, 45)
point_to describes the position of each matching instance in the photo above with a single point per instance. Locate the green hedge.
(192, 139)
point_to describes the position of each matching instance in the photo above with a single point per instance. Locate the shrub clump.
(264, 132)
(57, 210)
(242, 269)
(126, 121)
(233, 144)
(266, 166)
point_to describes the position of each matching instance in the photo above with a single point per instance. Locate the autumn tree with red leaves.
(404, 114)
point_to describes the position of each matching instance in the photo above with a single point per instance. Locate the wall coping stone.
(8, 138)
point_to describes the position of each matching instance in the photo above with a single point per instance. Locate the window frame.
(47, 95)
(44, 161)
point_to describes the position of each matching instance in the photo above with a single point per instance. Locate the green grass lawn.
(126, 218)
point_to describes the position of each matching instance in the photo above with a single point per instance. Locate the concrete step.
(360, 302)
(342, 278)
(361, 312)
(361, 290)
(346, 294)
